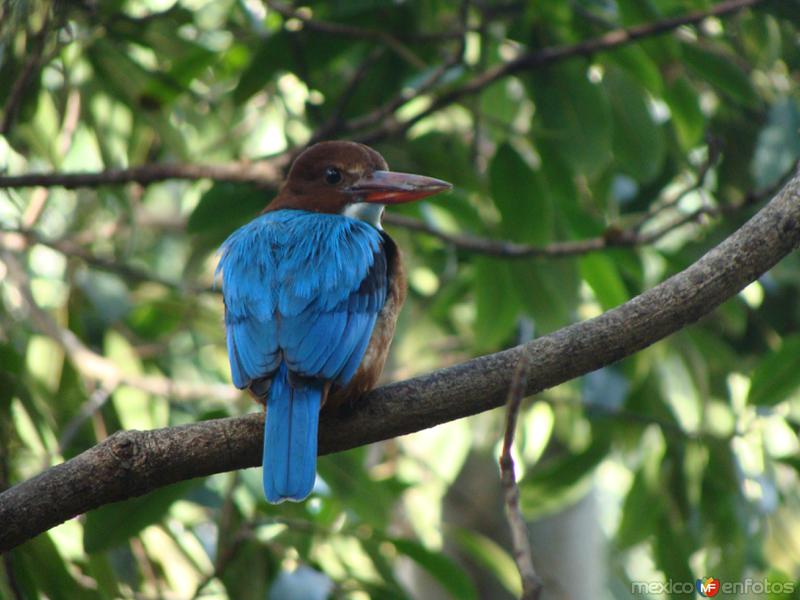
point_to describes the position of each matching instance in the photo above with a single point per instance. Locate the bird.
(312, 288)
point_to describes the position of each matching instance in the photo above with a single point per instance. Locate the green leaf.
(560, 482)
(100, 567)
(251, 569)
(380, 590)
(777, 375)
(638, 141)
(778, 146)
(352, 485)
(489, 554)
(440, 567)
(12, 366)
(500, 106)
(722, 503)
(783, 586)
(39, 566)
(641, 511)
(601, 274)
(9, 70)
(114, 524)
(153, 319)
(684, 106)
(722, 73)
(548, 290)
(520, 195)
(497, 304)
(443, 155)
(575, 114)
(571, 216)
(266, 61)
(384, 565)
(672, 551)
(636, 12)
(224, 207)
(129, 80)
(635, 61)
(790, 461)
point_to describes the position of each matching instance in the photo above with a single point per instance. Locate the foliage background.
(677, 463)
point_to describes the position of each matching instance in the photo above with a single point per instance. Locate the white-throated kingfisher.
(312, 289)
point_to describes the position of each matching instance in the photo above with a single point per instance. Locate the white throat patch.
(369, 212)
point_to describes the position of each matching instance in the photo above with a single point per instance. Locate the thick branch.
(133, 463)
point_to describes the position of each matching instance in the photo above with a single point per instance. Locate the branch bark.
(266, 172)
(520, 543)
(132, 463)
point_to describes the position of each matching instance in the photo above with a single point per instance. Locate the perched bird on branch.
(312, 290)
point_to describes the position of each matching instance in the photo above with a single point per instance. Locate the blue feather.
(351, 366)
(302, 293)
(290, 438)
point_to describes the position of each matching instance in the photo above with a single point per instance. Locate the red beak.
(389, 187)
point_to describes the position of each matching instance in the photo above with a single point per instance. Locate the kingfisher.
(312, 289)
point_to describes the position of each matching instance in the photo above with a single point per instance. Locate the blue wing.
(302, 294)
(249, 293)
(303, 288)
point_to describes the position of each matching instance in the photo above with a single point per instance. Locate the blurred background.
(584, 174)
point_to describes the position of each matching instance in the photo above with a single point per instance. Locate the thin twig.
(94, 402)
(261, 173)
(675, 199)
(351, 31)
(32, 65)
(97, 367)
(531, 583)
(614, 237)
(334, 122)
(429, 83)
(126, 271)
(228, 545)
(505, 248)
(546, 56)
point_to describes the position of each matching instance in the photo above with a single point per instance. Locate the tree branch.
(270, 172)
(531, 583)
(613, 237)
(72, 249)
(547, 56)
(350, 31)
(29, 70)
(428, 84)
(96, 367)
(132, 463)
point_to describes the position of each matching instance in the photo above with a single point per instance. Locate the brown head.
(349, 178)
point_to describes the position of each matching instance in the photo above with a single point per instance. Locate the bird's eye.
(332, 175)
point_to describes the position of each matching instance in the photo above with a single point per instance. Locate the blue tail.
(290, 438)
